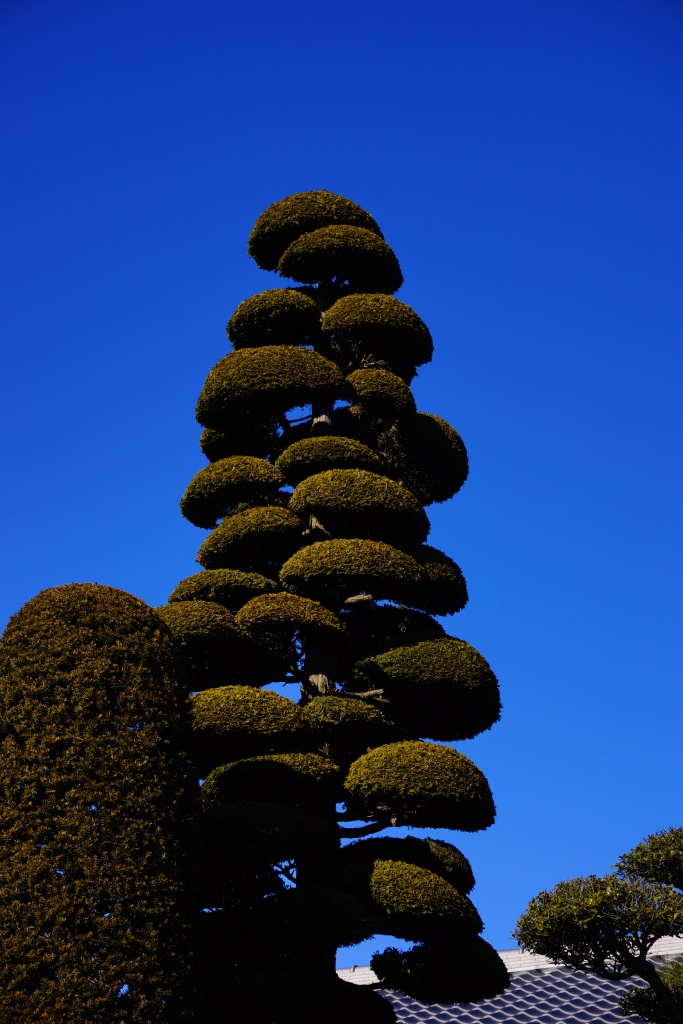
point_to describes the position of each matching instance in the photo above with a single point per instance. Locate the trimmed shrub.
(228, 587)
(244, 435)
(313, 914)
(296, 996)
(213, 650)
(285, 221)
(427, 455)
(93, 787)
(286, 615)
(255, 539)
(263, 832)
(308, 779)
(416, 902)
(457, 969)
(377, 628)
(355, 503)
(347, 722)
(338, 569)
(435, 855)
(232, 721)
(441, 589)
(439, 689)
(215, 490)
(267, 381)
(314, 455)
(423, 785)
(382, 394)
(342, 253)
(379, 324)
(280, 316)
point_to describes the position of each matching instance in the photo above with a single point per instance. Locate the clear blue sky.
(525, 161)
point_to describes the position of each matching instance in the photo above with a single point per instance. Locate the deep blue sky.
(525, 162)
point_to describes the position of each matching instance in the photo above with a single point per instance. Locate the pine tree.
(317, 573)
(92, 795)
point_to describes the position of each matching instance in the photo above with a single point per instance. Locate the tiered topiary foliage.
(318, 575)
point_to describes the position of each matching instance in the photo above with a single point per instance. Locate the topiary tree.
(609, 925)
(92, 797)
(318, 575)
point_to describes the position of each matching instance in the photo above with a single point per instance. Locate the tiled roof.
(540, 993)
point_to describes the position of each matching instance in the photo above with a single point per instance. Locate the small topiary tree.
(92, 797)
(319, 575)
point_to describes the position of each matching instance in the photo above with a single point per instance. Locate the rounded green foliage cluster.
(314, 455)
(415, 900)
(427, 455)
(215, 490)
(228, 587)
(211, 648)
(245, 435)
(267, 380)
(442, 589)
(435, 855)
(456, 969)
(288, 614)
(300, 778)
(343, 254)
(285, 221)
(381, 394)
(232, 720)
(356, 503)
(440, 689)
(93, 787)
(381, 325)
(280, 316)
(253, 539)
(348, 721)
(338, 569)
(659, 858)
(423, 785)
(378, 628)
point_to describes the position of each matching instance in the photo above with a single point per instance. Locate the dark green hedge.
(333, 570)
(304, 779)
(427, 455)
(288, 615)
(415, 902)
(280, 316)
(283, 222)
(240, 479)
(437, 856)
(381, 394)
(307, 995)
(211, 648)
(314, 455)
(440, 689)
(92, 787)
(423, 785)
(228, 587)
(346, 255)
(267, 380)
(380, 324)
(252, 540)
(241, 435)
(356, 503)
(457, 969)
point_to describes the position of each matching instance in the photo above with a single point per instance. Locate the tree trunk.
(665, 998)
